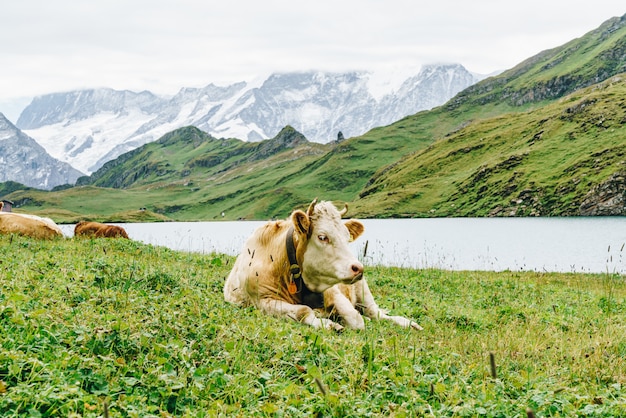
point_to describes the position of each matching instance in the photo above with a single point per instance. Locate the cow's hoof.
(414, 325)
(338, 329)
(327, 324)
(405, 322)
(335, 326)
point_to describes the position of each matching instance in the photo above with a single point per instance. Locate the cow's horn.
(309, 212)
(343, 211)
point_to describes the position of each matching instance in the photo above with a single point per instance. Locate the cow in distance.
(99, 230)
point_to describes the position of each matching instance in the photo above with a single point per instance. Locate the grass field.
(117, 328)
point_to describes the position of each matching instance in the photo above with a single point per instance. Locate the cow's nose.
(357, 269)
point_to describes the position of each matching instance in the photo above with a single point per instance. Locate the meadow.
(117, 328)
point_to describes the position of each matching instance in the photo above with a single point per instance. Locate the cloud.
(163, 46)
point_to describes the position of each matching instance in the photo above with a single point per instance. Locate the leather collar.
(296, 285)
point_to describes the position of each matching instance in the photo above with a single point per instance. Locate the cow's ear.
(355, 228)
(301, 222)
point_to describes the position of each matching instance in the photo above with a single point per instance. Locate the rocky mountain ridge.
(90, 127)
(24, 161)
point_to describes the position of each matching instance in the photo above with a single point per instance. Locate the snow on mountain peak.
(28, 163)
(89, 127)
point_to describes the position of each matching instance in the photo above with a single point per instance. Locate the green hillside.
(186, 175)
(553, 73)
(543, 138)
(548, 161)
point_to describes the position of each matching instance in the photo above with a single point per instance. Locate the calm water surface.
(532, 244)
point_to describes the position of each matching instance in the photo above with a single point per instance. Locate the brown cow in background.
(99, 230)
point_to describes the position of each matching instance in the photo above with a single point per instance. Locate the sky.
(163, 46)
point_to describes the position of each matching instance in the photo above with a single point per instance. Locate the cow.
(296, 267)
(28, 225)
(99, 230)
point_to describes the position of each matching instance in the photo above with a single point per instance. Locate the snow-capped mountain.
(433, 86)
(25, 161)
(90, 127)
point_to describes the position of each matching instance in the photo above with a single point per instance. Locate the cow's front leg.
(338, 303)
(366, 302)
(299, 313)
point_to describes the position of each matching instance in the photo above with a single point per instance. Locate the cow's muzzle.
(357, 270)
(356, 278)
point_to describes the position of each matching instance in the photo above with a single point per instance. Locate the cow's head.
(322, 249)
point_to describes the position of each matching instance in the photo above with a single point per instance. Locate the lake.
(594, 244)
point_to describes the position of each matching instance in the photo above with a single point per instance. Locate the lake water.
(594, 244)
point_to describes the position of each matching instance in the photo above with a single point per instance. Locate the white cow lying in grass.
(291, 267)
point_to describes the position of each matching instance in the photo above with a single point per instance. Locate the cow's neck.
(296, 284)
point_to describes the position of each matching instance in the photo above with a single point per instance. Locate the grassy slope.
(472, 167)
(145, 331)
(538, 162)
(88, 202)
(241, 186)
(186, 175)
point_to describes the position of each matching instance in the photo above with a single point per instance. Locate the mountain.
(90, 127)
(181, 155)
(541, 139)
(566, 158)
(553, 73)
(80, 127)
(188, 175)
(544, 138)
(26, 162)
(427, 88)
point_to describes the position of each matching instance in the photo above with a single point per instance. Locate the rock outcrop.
(607, 198)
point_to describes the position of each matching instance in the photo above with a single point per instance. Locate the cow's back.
(29, 225)
(259, 264)
(99, 230)
(51, 224)
(85, 228)
(111, 231)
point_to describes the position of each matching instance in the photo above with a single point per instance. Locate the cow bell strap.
(296, 284)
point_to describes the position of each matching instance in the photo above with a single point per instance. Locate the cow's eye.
(322, 238)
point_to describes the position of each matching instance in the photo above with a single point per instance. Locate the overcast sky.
(161, 46)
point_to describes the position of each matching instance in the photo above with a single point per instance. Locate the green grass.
(143, 331)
